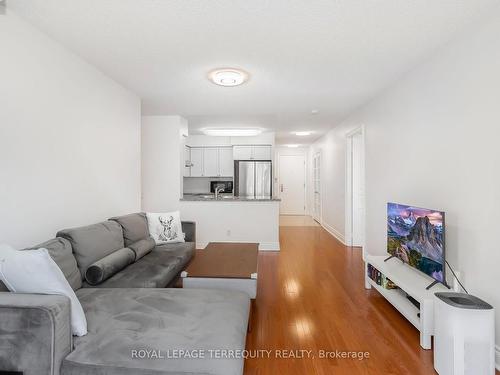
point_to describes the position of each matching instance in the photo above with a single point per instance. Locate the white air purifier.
(464, 335)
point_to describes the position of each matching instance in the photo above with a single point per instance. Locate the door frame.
(320, 217)
(278, 174)
(348, 186)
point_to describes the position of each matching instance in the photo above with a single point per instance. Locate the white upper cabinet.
(219, 161)
(242, 152)
(226, 162)
(261, 152)
(187, 161)
(252, 153)
(196, 162)
(210, 162)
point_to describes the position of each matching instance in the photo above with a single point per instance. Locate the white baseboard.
(335, 233)
(497, 357)
(263, 246)
(269, 246)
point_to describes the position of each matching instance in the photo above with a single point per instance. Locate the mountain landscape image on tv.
(416, 236)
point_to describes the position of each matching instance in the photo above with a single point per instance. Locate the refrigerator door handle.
(281, 188)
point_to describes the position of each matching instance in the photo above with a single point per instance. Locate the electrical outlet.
(228, 232)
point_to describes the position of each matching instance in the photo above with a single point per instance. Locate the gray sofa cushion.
(135, 227)
(93, 242)
(109, 265)
(35, 332)
(155, 270)
(142, 247)
(123, 320)
(61, 252)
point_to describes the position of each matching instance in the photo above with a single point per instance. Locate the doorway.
(317, 187)
(292, 183)
(355, 188)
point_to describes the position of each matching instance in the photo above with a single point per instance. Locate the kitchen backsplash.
(200, 185)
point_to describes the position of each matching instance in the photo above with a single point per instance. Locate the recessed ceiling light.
(314, 112)
(292, 146)
(228, 77)
(232, 132)
(302, 133)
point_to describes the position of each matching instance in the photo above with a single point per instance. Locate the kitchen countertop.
(225, 198)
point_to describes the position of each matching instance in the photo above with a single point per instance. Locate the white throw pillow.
(165, 227)
(34, 271)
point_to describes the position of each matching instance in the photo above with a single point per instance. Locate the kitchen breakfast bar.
(233, 219)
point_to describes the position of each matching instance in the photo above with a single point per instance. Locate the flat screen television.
(416, 236)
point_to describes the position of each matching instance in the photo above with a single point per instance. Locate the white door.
(356, 193)
(196, 162)
(317, 187)
(226, 162)
(292, 181)
(242, 152)
(261, 153)
(210, 162)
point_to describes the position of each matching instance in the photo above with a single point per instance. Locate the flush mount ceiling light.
(232, 132)
(292, 146)
(302, 133)
(228, 77)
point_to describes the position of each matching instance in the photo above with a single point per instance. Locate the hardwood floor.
(311, 296)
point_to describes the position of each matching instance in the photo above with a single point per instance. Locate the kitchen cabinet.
(196, 162)
(187, 161)
(254, 152)
(226, 162)
(261, 152)
(210, 162)
(242, 152)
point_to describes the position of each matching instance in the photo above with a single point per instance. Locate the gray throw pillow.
(108, 266)
(143, 247)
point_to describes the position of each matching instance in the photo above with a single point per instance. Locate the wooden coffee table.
(224, 265)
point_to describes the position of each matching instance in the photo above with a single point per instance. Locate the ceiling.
(326, 55)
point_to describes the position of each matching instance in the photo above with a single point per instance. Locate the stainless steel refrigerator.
(253, 179)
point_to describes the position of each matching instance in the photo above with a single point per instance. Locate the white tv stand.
(414, 283)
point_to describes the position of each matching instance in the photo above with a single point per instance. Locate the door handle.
(281, 188)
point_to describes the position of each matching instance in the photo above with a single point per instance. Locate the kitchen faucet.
(218, 190)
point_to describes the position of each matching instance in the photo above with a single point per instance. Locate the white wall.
(162, 139)
(332, 147)
(432, 141)
(69, 139)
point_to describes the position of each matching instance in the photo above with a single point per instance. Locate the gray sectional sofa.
(135, 324)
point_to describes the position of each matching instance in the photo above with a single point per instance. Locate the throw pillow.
(109, 266)
(165, 227)
(34, 271)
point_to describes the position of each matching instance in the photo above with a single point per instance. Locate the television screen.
(416, 236)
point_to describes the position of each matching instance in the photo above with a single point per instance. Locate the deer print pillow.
(165, 227)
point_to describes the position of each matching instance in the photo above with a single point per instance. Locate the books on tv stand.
(410, 282)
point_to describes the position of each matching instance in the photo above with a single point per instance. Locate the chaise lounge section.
(130, 312)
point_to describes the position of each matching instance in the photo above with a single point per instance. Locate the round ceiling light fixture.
(228, 77)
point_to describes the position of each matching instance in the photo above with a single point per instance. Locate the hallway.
(311, 296)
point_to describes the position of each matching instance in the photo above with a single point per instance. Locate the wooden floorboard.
(311, 296)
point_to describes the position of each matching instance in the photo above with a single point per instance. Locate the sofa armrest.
(189, 228)
(35, 332)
